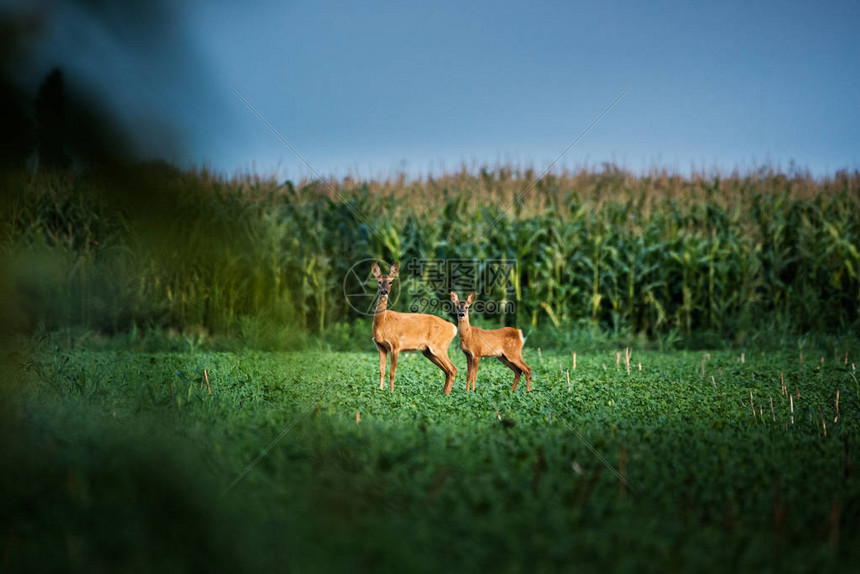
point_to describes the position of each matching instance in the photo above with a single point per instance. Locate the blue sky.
(373, 88)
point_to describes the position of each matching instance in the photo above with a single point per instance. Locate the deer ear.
(454, 298)
(375, 270)
(392, 273)
(470, 298)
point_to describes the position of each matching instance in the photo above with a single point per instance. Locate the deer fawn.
(394, 332)
(506, 344)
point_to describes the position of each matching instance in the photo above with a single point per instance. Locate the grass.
(134, 293)
(121, 459)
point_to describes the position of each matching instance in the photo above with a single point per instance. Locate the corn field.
(630, 254)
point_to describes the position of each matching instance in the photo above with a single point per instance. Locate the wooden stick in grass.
(617, 359)
(357, 417)
(714, 382)
(772, 414)
(640, 366)
(791, 402)
(206, 378)
(782, 382)
(823, 424)
(837, 406)
(627, 355)
(568, 381)
(752, 406)
(574, 360)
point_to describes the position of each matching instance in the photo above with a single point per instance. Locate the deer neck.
(464, 327)
(379, 314)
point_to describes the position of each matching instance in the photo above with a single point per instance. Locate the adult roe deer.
(506, 344)
(394, 332)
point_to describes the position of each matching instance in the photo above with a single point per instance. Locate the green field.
(123, 460)
(124, 289)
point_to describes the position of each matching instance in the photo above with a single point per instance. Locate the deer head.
(462, 307)
(384, 281)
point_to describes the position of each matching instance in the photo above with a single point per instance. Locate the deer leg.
(442, 361)
(394, 354)
(517, 372)
(468, 371)
(450, 370)
(475, 360)
(436, 360)
(383, 357)
(521, 365)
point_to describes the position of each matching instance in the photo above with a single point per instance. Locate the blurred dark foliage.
(51, 134)
(60, 124)
(63, 127)
(16, 136)
(96, 499)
